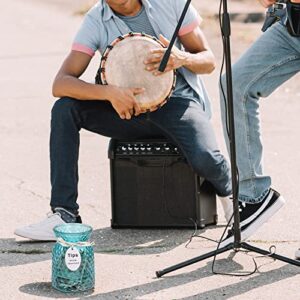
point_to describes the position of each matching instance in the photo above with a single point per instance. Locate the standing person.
(114, 112)
(268, 63)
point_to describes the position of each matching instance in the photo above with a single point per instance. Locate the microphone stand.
(237, 244)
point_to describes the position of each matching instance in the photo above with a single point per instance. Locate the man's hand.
(123, 101)
(267, 3)
(177, 58)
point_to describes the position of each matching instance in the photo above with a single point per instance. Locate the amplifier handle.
(156, 162)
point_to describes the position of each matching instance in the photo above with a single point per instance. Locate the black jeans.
(181, 120)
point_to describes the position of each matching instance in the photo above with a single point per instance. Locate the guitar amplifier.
(153, 186)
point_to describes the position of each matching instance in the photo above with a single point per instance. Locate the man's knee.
(210, 165)
(63, 106)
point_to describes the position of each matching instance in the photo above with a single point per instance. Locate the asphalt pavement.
(35, 38)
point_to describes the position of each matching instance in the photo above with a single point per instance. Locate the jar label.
(73, 259)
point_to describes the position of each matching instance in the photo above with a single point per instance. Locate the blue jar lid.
(73, 232)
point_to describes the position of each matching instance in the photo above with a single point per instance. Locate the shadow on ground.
(225, 292)
(107, 240)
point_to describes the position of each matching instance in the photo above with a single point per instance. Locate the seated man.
(257, 74)
(114, 112)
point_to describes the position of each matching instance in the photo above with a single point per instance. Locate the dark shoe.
(253, 216)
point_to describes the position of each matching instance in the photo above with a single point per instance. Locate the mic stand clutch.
(237, 244)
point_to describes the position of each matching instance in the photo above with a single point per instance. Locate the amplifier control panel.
(146, 148)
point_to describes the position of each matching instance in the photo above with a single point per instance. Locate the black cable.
(221, 71)
(194, 235)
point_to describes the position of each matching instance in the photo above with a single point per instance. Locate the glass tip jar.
(73, 268)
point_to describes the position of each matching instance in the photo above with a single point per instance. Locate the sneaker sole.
(264, 217)
(34, 237)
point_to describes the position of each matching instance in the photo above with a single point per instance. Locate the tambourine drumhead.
(123, 65)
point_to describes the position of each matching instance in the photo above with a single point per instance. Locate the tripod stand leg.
(194, 260)
(264, 252)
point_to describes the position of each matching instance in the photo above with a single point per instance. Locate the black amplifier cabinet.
(153, 186)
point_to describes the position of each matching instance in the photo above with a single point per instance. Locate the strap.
(70, 244)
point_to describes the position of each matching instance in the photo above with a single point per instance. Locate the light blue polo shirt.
(101, 26)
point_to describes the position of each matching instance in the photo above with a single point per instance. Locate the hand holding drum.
(176, 60)
(125, 68)
(124, 102)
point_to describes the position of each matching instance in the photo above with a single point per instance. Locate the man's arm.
(68, 84)
(268, 3)
(197, 58)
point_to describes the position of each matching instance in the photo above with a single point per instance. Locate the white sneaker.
(42, 231)
(297, 254)
(227, 208)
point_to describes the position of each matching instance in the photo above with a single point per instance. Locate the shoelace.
(242, 206)
(51, 214)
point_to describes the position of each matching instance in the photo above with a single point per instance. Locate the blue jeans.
(273, 59)
(181, 120)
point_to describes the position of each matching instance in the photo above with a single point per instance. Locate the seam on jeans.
(246, 121)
